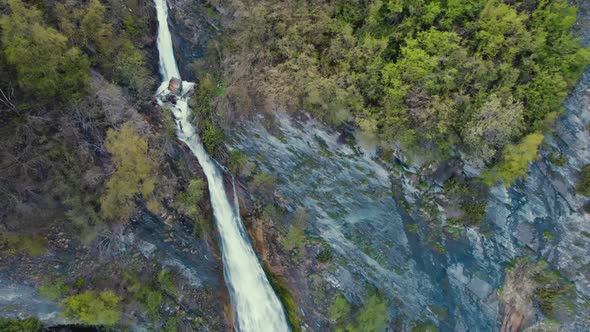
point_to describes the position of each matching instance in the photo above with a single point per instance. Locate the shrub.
(211, 136)
(413, 228)
(474, 210)
(583, 186)
(515, 160)
(53, 291)
(264, 182)
(325, 255)
(93, 308)
(239, 164)
(296, 235)
(372, 316)
(339, 309)
(33, 245)
(134, 172)
(557, 159)
(17, 325)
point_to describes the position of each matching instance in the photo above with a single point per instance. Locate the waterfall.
(256, 305)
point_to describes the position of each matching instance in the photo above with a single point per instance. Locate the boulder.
(175, 86)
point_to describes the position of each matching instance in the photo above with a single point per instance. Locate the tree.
(493, 126)
(94, 308)
(95, 30)
(515, 160)
(134, 172)
(17, 325)
(44, 63)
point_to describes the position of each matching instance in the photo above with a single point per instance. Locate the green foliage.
(296, 235)
(44, 62)
(339, 309)
(548, 236)
(413, 228)
(427, 326)
(263, 181)
(209, 87)
(110, 43)
(33, 245)
(166, 281)
(474, 210)
(239, 163)
(93, 308)
(553, 294)
(477, 75)
(187, 203)
(325, 255)
(211, 136)
(171, 325)
(279, 285)
(515, 161)
(372, 316)
(134, 172)
(557, 159)
(583, 186)
(17, 325)
(54, 290)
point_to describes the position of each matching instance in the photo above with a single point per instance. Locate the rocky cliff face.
(348, 196)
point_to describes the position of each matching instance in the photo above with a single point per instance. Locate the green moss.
(289, 304)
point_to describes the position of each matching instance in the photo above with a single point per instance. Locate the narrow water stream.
(257, 306)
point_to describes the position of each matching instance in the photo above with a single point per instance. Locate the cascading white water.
(257, 307)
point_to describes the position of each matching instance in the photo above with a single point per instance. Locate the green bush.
(474, 211)
(515, 160)
(134, 172)
(339, 309)
(239, 164)
(211, 135)
(557, 159)
(93, 308)
(264, 182)
(372, 316)
(33, 245)
(187, 203)
(325, 255)
(583, 186)
(17, 325)
(296, 234)
(53, 290)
